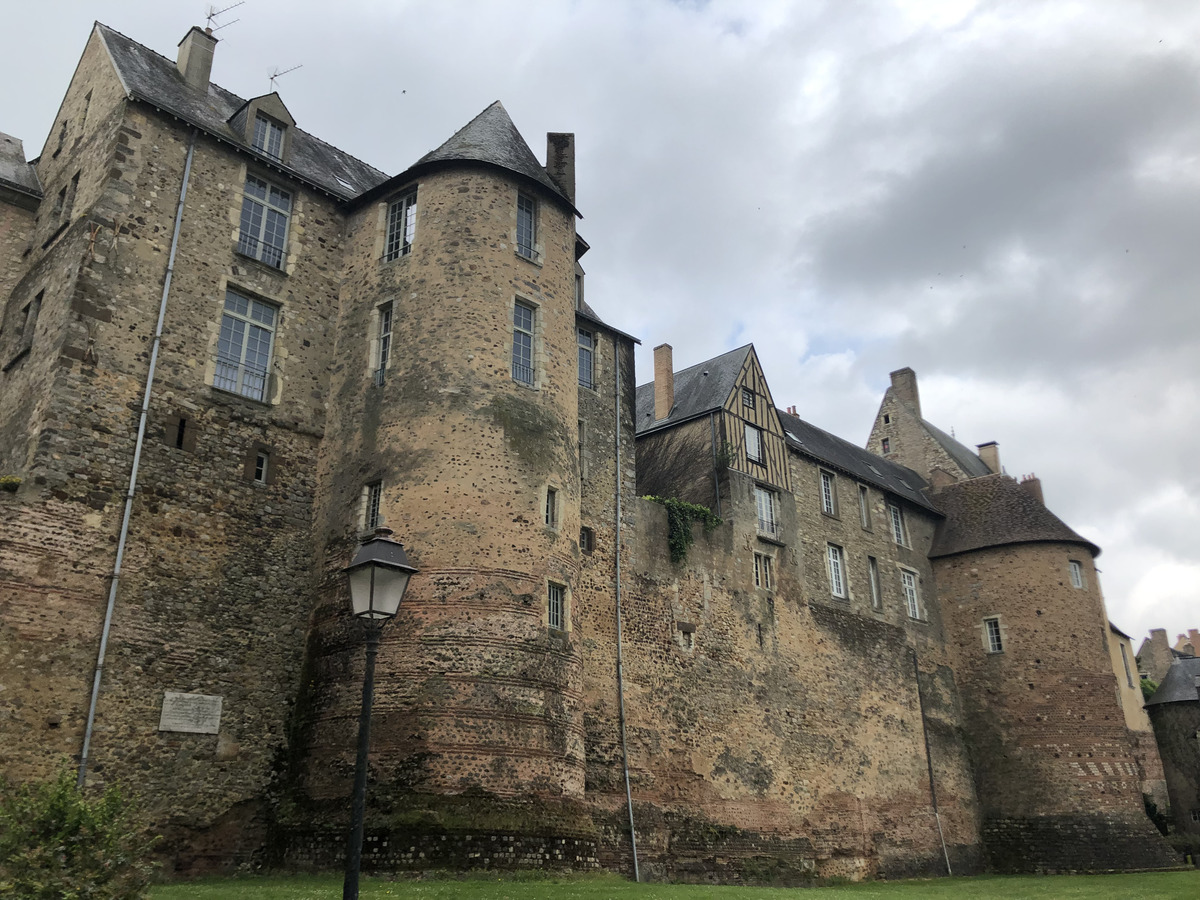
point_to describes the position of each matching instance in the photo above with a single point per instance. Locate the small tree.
(57, 844)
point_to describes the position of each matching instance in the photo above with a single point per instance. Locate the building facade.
(230, 350)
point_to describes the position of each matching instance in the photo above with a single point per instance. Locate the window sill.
(771, 539)
(384, 261)
(266, 266)
(536, 259)
(831, 515)
(221, 393)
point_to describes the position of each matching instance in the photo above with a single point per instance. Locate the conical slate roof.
(993, 511)
(1180, 684)
(493, 139)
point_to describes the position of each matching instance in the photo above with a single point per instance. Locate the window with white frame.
(828, 494)
(556, 606)
(551, 508)
(526, 226)
(524, 317)
(371, 498)
(873, 577)
(837, 570)
(764, 576)
(1076, 574)
(244, 346)
(897, 518)
(912, 594)
(764, 503)
(748, 399)
(864, 507)
(587, 539)
(754, 444)
(383, 343)
(993, 636)
(402, 225)
(587, 357)
(268, 137)
(265, 211)
(261, 461)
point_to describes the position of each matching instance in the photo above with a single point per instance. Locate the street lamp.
(378, 578)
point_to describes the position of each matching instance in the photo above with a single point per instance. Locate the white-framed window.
(268, 137)
(837, 570)
(764, 575)
(912, 593)
(828, 493)
(764, 503)
(551, 508)
(402, 225)
(383, 343)
(587, 539)
(372, 495)
(864, 507)
(526, 226)
(754, 444)
(873, 577)
(244, 346)
(992, 635)
(748, 399)
(265, 211)
(587, 357)
(1125, 660)
(1076, 574)
(556, 606)
(896, 514)
(262, 460)
(524, 319)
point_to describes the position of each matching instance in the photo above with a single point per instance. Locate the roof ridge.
(703, 362)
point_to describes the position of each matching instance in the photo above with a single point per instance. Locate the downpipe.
(929, 762)
(133, 474)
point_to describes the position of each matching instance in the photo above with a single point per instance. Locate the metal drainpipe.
(137, 456)
(929, 761)
(620, 667)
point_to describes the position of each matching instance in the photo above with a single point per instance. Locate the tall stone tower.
(453, 410)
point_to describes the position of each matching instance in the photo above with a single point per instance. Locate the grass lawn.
(1164, 885)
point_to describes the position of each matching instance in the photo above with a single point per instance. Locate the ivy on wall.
(680, 517)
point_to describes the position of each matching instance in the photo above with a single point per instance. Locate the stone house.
(229, 350)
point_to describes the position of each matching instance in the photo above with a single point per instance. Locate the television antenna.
(213, 12)
(275, 73)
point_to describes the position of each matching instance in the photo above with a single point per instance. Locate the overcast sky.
(1004, 196)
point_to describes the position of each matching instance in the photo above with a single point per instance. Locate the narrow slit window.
(1076, 574)
(837, 571)
(587, 539)
(873, 577)
(864, 507)
(522, 349)
(556, 613)
(384, 350)
(828, 494)
(587, 358)
(551, 508)
(372, 497)
(526, 226)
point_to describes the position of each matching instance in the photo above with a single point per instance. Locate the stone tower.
(453, 420)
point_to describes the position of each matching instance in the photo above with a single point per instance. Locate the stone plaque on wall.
(193, 713)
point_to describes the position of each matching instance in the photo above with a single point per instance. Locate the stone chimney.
(1194, 637)
(1185, 643)
(560, 161)
(664, 382)
(196, 57)
(1033, 484)
(904, 387)
(990, 454)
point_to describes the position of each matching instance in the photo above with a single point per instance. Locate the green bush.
(1148, 688)
(58, 844)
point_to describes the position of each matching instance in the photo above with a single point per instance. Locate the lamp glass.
(382, 599)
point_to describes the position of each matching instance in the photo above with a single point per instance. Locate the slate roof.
(966, 458)
(1117, 631)
(992, 511)
(699, 389)
(1179, 685)
(15, 173)
(154, 79)
(861, 464)
(491, 138)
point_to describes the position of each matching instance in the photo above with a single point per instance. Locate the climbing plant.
(680, 516)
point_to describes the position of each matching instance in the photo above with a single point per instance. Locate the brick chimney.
(664, 382)
(196, 57)
(904, 387)
(1033, 484)
(560, 161)
(1194, 637)
(990, 454)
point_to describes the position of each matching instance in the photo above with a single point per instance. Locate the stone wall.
(1175, 728)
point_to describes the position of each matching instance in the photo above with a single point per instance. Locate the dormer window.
(268, 137)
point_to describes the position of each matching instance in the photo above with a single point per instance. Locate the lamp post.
(378, 578)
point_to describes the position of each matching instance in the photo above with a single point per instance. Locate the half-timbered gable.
(754, 438)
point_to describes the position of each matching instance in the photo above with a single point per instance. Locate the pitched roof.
(15, 173)
(154, 79)
(1180, 684)
(992, 511)
(966, 459)
(699, 389)
(863, 465)
(490, 138)
(1117, 631)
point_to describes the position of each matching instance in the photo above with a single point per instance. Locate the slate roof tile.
(1179, 685)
